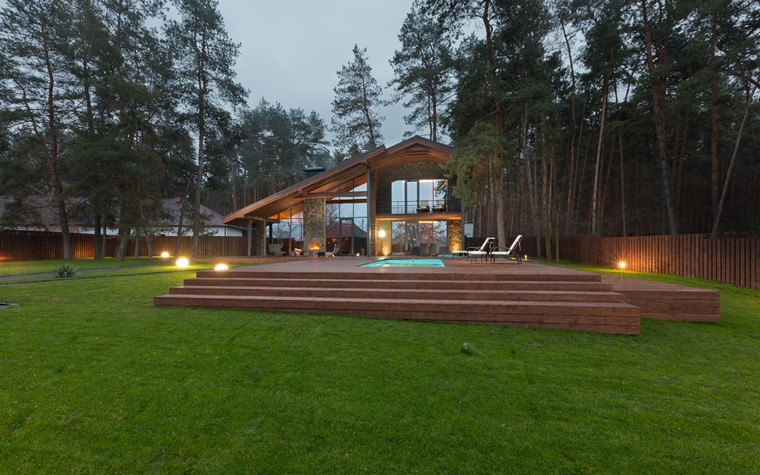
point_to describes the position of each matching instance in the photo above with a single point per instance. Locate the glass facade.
(286, 228)
(348, 220)
(418, 196)
(414, 237)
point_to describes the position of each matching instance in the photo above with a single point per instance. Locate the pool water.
(405, 263)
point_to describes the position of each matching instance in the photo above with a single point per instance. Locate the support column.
(261, 238)
(250, 237)
(370, 227)
(314, 224)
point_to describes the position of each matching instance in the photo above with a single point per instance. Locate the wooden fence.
(733, 261)
(36, 245)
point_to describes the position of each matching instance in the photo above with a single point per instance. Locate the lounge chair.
(434, 249)
(424, 249)
(330, 251)
(481, 252)
(275, 250)
(510, 253)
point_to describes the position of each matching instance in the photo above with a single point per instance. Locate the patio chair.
(434, 249)
(330, 251)
(481, 252)
(510, 253)
(424, 249)
(275, 250)
(424, 207)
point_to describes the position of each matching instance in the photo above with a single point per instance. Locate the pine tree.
(205, 57)
(357, 97)
(424, 71)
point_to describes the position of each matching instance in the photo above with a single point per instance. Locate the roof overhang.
(415, 149)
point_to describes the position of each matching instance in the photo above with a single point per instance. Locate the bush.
(66, 270)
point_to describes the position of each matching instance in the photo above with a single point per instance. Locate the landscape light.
(182, 262)
(621, 265)
(221, 267)
(164, 255)
(381, 233)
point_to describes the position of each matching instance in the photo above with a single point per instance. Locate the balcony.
(451, 205)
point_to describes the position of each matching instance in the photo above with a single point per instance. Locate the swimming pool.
(405, 263)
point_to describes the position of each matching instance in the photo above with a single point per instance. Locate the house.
(35, 213)
(212, 221)
(389, 201)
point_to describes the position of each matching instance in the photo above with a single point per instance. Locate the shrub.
(66, 270)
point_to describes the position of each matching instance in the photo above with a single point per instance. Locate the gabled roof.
(415, 149)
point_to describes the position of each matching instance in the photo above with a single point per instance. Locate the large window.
(286, 229)
(407, 237)
(417, 196)
(347, 221)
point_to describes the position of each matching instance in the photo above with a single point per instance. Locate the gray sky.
(291, 50)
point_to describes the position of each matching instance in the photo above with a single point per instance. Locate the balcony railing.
(431, 206)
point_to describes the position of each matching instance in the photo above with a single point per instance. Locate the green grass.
(94, 379)
(13, 268)
(97, 269)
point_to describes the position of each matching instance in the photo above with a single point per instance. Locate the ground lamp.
(182, 262)
(164, 255)
(221, 267)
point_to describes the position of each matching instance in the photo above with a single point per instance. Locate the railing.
(429, 206)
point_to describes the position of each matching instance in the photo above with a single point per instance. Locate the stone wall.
(314, 223)
(454, 232)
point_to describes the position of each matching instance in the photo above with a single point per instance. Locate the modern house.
(389, 201)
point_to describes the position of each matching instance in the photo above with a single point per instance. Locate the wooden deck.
(502, 293)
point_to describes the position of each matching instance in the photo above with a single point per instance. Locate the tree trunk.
(595, 192)
(716, 223)
(622, 185)
(659, 124)
(137, 246)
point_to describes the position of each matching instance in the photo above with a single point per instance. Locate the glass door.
(346, 236)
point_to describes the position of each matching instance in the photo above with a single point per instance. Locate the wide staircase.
(563, 301)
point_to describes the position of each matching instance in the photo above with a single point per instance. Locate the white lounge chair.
(510, 253)
(330, 251)
(481, 252)
(275, 250)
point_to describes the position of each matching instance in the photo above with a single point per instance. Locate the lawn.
(94, 379)
(40, 271)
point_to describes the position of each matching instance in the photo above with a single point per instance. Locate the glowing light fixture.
(164, 255)
(381, 233)
(621, 265)
(221, 267)
(182, 262)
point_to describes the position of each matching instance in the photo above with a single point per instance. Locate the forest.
(567, 117)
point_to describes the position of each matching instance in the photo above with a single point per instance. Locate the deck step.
(427, 294)
(451, 285)
(596, 317)
(406, 275)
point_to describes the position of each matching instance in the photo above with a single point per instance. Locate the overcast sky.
(291, 50)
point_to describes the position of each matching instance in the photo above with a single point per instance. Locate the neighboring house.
(387, 201)
(36, 214)
(212, 221)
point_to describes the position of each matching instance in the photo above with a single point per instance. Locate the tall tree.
(424, 71)
(205, 57)
(36, 75)
(357, 96)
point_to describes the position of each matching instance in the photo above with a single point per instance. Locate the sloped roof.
(415, 149)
